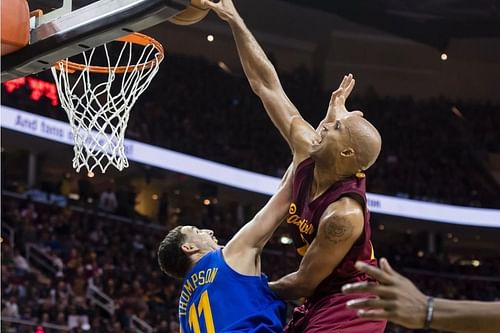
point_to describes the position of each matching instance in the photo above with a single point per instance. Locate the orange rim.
(134, 38)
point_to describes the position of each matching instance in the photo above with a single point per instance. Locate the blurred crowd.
(120, 261)
(118, 256)
(433, 150)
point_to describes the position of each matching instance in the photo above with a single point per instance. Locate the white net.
(98, 110)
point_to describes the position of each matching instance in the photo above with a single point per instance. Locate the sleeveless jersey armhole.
(361, 200)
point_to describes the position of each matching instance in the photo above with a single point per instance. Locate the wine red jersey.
(304, 217)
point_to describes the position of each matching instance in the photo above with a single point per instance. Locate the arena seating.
(433, 150)
(118, 257)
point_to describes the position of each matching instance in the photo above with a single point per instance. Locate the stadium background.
(80, 248)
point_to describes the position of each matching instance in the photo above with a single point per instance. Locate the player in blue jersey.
(224, 289)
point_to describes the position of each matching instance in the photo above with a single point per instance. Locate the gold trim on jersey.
(303, 249)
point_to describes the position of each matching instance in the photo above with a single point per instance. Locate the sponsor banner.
(421, 210)
(60, 131)
(166, 159)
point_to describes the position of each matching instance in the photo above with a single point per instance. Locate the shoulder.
(345, 206)
(342, 220)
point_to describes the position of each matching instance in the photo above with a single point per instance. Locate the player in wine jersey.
(223, 288)
(328, 216)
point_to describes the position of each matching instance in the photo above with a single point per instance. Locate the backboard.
(80, 25)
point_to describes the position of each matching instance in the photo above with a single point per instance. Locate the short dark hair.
(172, 260)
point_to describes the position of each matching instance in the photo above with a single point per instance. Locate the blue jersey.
(215, 298)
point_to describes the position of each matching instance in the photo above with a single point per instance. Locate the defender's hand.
(225, 9)
(398, 300)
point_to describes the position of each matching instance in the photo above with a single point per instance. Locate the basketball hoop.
(98, 98)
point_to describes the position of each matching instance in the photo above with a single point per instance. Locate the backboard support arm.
(90, 26)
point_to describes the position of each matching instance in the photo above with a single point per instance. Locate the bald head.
(364, 138)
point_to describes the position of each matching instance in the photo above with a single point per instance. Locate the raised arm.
(340, 227)
(243, 251)
(255, 234)
(265, 82)
(399, 301)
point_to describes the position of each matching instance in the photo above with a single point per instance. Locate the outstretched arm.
(402, 303)
(265, 82)
(255, 234)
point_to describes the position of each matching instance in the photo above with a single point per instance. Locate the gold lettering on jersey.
(305, 227)
(196, 280)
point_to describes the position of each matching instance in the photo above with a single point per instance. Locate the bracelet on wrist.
(429, 312)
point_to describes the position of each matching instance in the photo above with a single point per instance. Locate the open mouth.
(322, 135)
(317, 142)
(319, 137)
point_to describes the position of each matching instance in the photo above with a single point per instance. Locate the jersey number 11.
(195, 315)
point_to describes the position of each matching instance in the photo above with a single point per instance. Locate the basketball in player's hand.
(193, 13)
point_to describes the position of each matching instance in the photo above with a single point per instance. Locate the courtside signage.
(59, 131)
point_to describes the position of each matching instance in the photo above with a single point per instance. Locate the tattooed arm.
(339, 228)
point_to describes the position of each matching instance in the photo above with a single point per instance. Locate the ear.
(189, 248)
(348, 152)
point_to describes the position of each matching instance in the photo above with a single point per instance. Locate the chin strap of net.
(98, 113)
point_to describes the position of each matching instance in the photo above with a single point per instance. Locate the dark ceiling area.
(433, 22)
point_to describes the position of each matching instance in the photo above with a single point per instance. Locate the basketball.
(15, 14)
(193, 13)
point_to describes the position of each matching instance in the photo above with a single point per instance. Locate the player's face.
(334, 135)
(202, 238)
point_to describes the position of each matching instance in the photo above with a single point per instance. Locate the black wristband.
(429, 312)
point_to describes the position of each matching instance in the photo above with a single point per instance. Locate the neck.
(325, 175)
(198, 255)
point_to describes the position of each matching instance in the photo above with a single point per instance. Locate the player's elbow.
(307, 291)
(304, 288)
(290, 292)
(258, 87)
(264, 87)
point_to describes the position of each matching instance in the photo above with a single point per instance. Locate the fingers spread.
(346, 81)
(349, 88)
(370, 303)
(340, 99)
(356, 287)
(383, 292)
(340, 95)
(374, 314)
(374, 272)
(335, 95)
(384, 265)
(343, 84)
